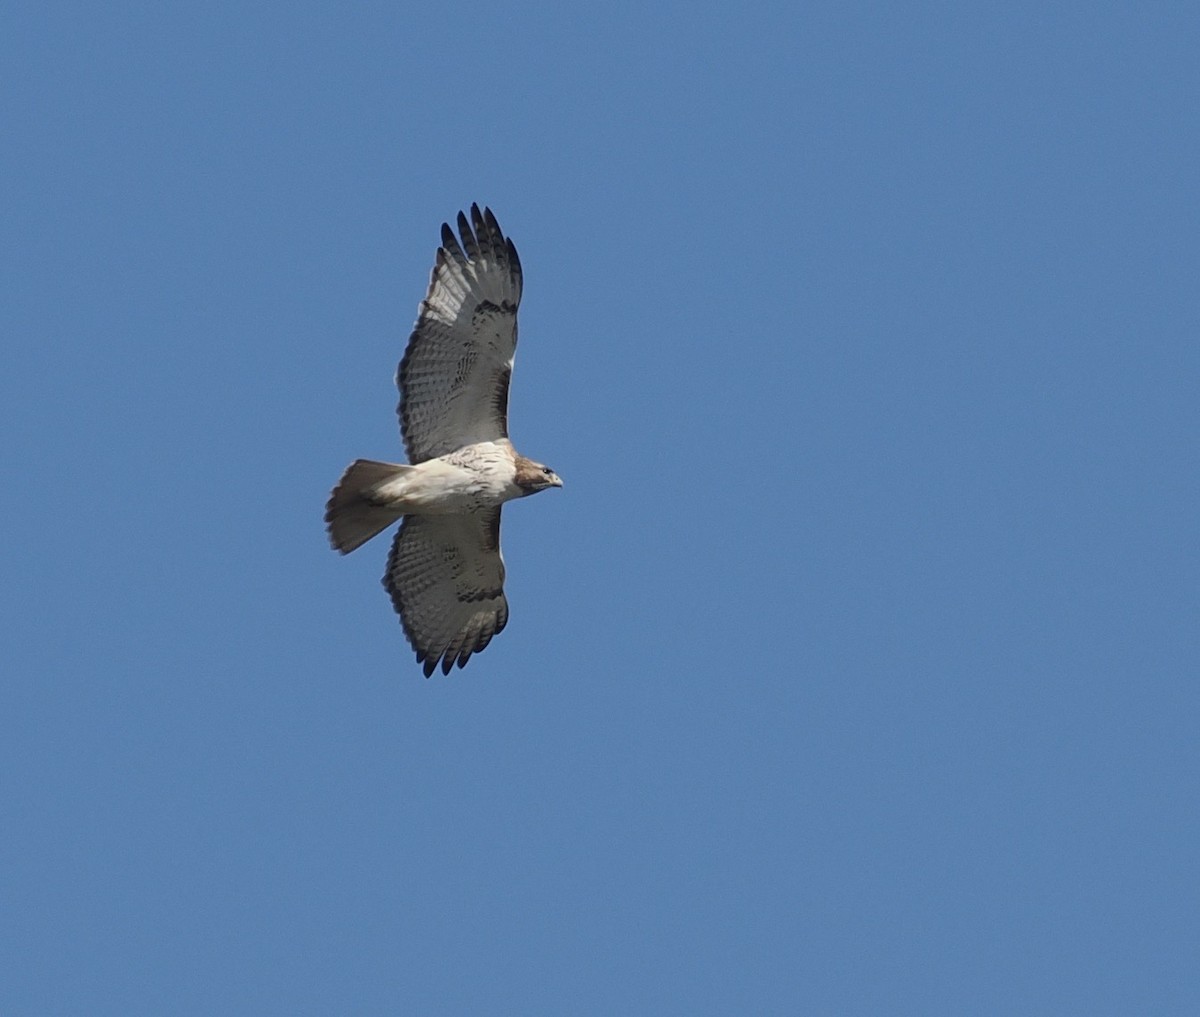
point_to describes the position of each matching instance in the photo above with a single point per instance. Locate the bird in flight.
(445, 573)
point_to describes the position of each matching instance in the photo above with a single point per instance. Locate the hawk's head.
(532, 477)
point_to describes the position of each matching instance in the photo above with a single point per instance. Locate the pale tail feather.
(353, 519)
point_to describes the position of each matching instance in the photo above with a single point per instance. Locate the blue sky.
(852, 672)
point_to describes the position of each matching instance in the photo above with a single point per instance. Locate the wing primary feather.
(514, 267)
(482, 234)
(493, 228)
(450, 244)
(470, 244)
(495, 241)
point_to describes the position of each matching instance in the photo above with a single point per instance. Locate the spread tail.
(351, 517)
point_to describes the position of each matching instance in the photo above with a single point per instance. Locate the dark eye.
(546, 470)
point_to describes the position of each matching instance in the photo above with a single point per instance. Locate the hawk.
(445, 573)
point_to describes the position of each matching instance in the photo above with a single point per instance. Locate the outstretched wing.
(446, 579)
(455, 373)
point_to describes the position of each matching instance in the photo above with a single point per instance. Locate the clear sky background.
(854, 671)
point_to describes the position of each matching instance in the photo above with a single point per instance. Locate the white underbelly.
(440, 486)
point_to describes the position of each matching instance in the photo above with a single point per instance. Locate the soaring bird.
(445, 573)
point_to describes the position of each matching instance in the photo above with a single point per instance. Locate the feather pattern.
(456, 370)
(445, 576)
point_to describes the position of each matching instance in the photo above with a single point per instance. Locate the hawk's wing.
(446, 579)
(454, 376)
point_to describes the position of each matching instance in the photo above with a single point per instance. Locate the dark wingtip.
(450, 248)
(469, 239)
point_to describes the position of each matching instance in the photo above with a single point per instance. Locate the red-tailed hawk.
(445, 573)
